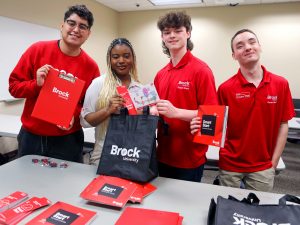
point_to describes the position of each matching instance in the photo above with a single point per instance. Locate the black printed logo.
(208, 125)
(111, 191)
(62, 217)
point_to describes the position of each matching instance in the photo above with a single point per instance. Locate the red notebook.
(141, 192)
(63, 213)
(108, 190)
(58, 98)
(138, 216)
(213, 121)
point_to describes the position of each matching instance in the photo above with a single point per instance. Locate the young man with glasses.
(27, 78)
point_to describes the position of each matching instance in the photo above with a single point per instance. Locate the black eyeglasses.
(73, 24)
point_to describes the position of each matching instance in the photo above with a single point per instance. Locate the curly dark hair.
(82, 11)
(175, 19)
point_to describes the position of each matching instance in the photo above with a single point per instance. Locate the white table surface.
(10, 126)
(294, 123)
(190, 199)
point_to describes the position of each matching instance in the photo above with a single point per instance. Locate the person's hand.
(67, 128)
(166, 108)
(275, 163)
(41, 74)
(115, 104)
(154, 111)
(195, 125)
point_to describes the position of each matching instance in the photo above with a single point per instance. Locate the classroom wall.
(277, 27)
(50, 13)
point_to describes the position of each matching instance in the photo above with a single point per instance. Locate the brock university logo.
(239, 219)
(132, 154)
(61, 94)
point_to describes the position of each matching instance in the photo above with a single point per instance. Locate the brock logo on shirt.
(242, 95)
(271, 99)
(185, 85)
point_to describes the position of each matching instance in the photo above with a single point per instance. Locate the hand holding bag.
(129, 149)
(249, 212)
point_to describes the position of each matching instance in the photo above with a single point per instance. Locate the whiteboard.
(16, 37)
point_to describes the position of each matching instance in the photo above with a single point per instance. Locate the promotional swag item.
(63, 214)
(140, 216)
(12, 200)
(123, 92)
(213, 123)
(145, 96)
(108, 190)
(58, 98)
(248, 211)
(141, 192)
(129, 149)
(15, 215)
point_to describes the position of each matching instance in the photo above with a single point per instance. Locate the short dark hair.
(175, 19)
(240, 32)
(82, 11)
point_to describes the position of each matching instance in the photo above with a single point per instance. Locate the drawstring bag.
(129, 149)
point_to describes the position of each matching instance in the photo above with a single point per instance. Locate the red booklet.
(138, 216)
(213, 121)
(58, 98)
(15, 215)
(141, 192)
(108, 190)
(63, 213)
(12, 200)
(122, 90)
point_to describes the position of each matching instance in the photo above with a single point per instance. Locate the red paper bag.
(58, 98)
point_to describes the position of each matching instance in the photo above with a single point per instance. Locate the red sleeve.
(94, 74)
(206, 88)
(289, 111)
(221, 97)
(22, 80)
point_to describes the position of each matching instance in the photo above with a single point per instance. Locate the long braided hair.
(112, 81)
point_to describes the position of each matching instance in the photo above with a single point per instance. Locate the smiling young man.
(27, 78)
(260, 106)
(182, 85)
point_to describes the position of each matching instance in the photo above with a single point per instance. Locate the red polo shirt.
(187, 85)
(255, 115)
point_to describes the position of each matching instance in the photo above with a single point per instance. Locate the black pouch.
(249, 211)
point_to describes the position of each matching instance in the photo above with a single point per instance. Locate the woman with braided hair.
(102, 99)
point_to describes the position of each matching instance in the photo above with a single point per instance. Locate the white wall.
(50, 13)
(277, 27)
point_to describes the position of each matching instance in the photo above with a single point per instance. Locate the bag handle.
(146, 110)
(289, 198)
(165, 126)
(123, 111)
(251, 199)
